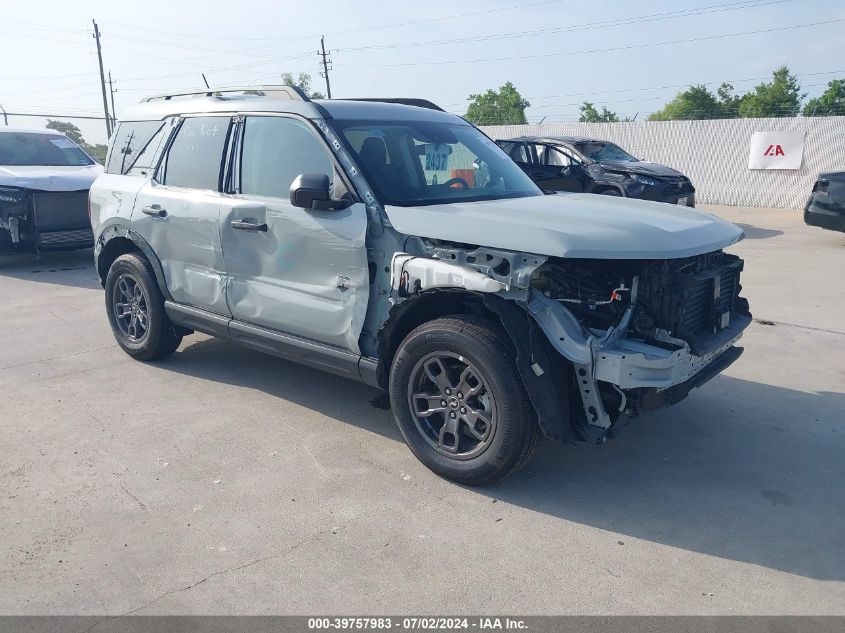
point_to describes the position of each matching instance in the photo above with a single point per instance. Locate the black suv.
(570, 163)
(826, 206)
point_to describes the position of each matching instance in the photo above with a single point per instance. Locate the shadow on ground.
(740, 470)
(758, 233)
(64, 268)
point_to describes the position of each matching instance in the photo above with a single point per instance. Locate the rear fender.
(119, 230)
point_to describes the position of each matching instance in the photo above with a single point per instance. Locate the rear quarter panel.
(112, 200)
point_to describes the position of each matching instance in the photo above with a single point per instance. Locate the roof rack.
(420, 103)
(285, 93)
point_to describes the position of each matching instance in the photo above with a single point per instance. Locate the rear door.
(293, 270)
(178, 213)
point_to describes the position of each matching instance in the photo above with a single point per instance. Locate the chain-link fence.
(87, 131)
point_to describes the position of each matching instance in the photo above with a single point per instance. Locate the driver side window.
(556, 158)
(275, 151)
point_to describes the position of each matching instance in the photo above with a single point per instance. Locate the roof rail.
(285, 93)
(420, 103)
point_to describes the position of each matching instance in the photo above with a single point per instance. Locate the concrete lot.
(225, 481)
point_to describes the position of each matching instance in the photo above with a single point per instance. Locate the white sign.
(776, 150)
(437, 156)
(63, 143)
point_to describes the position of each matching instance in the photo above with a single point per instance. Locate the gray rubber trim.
(310, 353)
(197, 319)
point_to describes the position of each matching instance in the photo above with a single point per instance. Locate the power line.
(358, 30)
(595, 50)
(655, 17)
(670, 86)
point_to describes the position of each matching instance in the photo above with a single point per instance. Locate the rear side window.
(195, 157)
(129, 141)
(275, 151)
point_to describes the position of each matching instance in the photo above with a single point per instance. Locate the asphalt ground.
(224, 481)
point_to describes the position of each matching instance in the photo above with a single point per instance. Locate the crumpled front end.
(33, 219)
(640, 333)
(602, 339)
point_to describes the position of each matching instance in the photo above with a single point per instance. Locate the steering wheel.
(456, 181)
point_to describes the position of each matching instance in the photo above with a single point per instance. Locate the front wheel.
(135, 308)
(459, 401)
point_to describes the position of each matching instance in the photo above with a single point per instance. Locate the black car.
(826, 206)
(569, 163)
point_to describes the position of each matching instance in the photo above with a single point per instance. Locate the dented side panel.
(306, 274)
(187, 241)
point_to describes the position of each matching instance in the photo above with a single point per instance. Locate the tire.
(495, 424)
(132, 293)
(610, 192)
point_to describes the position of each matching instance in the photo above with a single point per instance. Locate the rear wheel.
(135, 307)
(459, 401)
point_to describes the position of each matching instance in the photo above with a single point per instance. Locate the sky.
(629, 56)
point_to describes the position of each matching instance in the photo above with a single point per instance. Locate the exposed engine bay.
(634, 335)
(692, 299)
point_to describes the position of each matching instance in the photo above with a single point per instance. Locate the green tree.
(589, 114)
(303, 82)
(831, 103)
(728, 101)
(97, 151)
(779, 98)
(503, 107)
(696, 102)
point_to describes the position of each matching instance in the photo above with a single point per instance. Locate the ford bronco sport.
(398, 245)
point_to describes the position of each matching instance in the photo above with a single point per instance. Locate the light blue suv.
(396, 244)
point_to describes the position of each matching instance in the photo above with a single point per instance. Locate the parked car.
(826, 206)
(399, 246)
(44, 182)
(569, 163)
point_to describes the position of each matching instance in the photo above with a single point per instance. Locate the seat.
(373, 157)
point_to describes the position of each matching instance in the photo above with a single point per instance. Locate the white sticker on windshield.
(63, 143)
(437, 156)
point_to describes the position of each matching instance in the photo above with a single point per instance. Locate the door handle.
(249, 226)
(154, 210)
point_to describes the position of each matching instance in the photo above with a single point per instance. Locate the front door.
(178, 213)
(294, 270)
(556, 171)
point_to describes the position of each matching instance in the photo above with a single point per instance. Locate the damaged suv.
(398, 245)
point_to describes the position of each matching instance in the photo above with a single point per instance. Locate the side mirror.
(313, 191)
(565, 171)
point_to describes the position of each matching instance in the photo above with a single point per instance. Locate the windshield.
(418, 163)
(599, 151)
(26, 148)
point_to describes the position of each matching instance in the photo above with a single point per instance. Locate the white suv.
(397, 245)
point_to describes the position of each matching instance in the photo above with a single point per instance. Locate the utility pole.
(113, 111)
(326, 68)
(102, 78)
